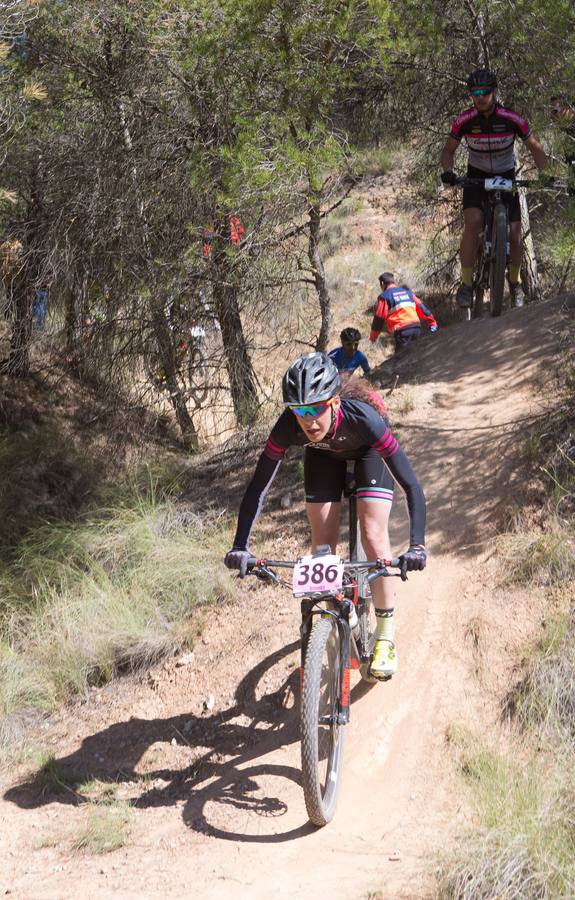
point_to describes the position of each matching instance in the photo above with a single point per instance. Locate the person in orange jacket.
(401, 312)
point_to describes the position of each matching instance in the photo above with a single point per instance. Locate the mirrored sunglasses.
(313, 409)
(481, 92)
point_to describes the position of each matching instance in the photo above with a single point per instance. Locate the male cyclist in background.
(490, 130)
(401, 312)
(347, 357)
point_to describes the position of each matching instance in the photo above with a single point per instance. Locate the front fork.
(308, 611)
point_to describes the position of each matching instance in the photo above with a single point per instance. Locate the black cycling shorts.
(476, 197)
(325, 476)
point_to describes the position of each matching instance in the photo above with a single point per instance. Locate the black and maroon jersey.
(358, 426)
(490, 139)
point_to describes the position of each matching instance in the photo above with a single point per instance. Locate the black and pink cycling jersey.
(490, 139)
(358, 427)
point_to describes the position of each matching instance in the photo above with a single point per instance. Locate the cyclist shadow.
(219, 775)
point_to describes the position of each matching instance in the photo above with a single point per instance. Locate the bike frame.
(485, 257)
(338, 605)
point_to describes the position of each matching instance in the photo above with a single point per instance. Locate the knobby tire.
(197, 375)
(321, 744)
(498, 259)
(478, 301)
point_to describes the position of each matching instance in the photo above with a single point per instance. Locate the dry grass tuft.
(113, 593)
(107, 828)
(538, 557)
(545, 698)
(525, 845)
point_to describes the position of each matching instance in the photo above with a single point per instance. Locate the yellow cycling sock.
(514, 274)
(384, 624)
(467, 275)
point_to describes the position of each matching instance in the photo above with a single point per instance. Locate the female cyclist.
(334, 427)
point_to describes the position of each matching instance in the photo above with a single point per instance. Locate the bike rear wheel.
(478, 296)
(498, 259)
(321, 734)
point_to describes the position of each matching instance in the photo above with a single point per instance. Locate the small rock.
(286, 501)
(174, 742)
(185, 660)
(209, 702)
(395, 856)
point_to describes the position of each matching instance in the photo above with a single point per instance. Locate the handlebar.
(348, 564)
(465, 181)
(263, 568)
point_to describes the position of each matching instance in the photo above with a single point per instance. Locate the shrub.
(525, 845)
(113, 593)
(537, 557)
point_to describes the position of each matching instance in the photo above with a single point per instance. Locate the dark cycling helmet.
(386, 278)
(482, 78)
(350, 334)
(310, 379)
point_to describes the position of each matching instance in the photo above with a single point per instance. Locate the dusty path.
(219, 810)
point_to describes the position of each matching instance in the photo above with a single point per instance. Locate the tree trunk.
(22, 299)
(71, 326)
(320, 282)
(167, 360)
(238, 362)
(529, 275)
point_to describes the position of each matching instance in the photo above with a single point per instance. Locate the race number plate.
(317, 573)
(498, 184)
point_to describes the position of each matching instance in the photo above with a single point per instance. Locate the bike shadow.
(227, 771)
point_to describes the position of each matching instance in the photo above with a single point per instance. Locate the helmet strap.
(332, 424)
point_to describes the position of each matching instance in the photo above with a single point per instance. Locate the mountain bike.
(337, 635)
(191, 365)
(493, 254)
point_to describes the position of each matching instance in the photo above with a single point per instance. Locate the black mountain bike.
(337, 635)
(191, 364)
(493, 254)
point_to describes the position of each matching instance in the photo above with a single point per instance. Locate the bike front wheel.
(321, 733)
(498, 260)
(197, 376)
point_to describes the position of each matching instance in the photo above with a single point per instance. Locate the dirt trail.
(219, 809)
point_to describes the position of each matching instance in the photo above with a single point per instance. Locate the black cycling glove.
(238, 559)
(449, 177)
(413, 560)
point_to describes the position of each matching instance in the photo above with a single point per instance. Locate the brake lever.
(264, 574)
